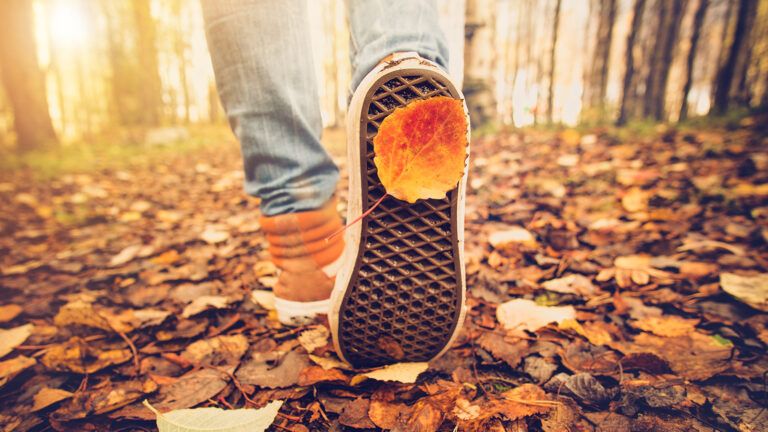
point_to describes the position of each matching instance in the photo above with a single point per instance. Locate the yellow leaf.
(399, 372)
(421, 149)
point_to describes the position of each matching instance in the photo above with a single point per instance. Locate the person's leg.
(262, 59)
(379, 28)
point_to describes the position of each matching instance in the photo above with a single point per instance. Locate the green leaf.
(721, 340)
(216, 419)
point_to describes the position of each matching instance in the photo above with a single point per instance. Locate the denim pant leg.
(262, 59)
(379, 28)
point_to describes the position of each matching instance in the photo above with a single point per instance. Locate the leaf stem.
(358, 219)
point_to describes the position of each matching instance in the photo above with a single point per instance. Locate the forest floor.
(616, 283)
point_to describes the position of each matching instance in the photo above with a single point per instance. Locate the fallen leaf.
(520, 402)
(585, 387)
(191, 389)
(77, 356)
(204, 303)
(106, 397)
(526, 400)
(511, 352)
(81, 312)
(425, 136)
(571, 284)
(695, 356)
(10, 368)
(355, 414)
(667, 325)
(217, 351)
(274, 369)
(214, 234)
(406, 373)
(312, 375)
(216, 419)
(580, 356)
(48, 396)
(328, 362)
(126, 255)
(9, 312)
(752, 290)
(635, 200)
(314, 338)
(512, 235)
(519, 315)
(11, 338)
(595, 335)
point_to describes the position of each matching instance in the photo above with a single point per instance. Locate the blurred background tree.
(79, 71)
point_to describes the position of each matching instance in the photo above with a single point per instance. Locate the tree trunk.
(180, 47)
(552, 64)
(479, 56)
(698, 20)
(515, 72)
(670, 15)
(597, 80)
(23, 81)
(146, 51)
(731, 74)
(626, 98)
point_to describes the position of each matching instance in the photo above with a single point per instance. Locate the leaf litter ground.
(614, 285)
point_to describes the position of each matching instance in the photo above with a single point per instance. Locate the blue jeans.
(262, 59)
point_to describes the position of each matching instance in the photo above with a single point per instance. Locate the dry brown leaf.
(48, 396)
(312, 375)
(79, 312)
(572, 284)
(406, 373)
(752, 290)
(107, 397)
(519, 315)
(274, 369)
(667, 325)
(214, 234)
(314, 338)
(512, 235)
(355, 414)
(635, 200)
(510, 352)
(594, 334)
(217, 351)
(203, 303)
(526, 400)
(329, 362)
(77, 356)
(9, 312)
(10, 368)
(11, 338)
(191, 389)
(695, 356)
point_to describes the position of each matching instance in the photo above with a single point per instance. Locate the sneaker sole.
(400, 296)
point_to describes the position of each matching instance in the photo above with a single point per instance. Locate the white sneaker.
(399, 294)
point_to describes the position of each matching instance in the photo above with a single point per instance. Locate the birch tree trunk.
(626, 95)
(729, 81)
(479, 59)
(698, 20)
(553, 64)
(596, 83)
